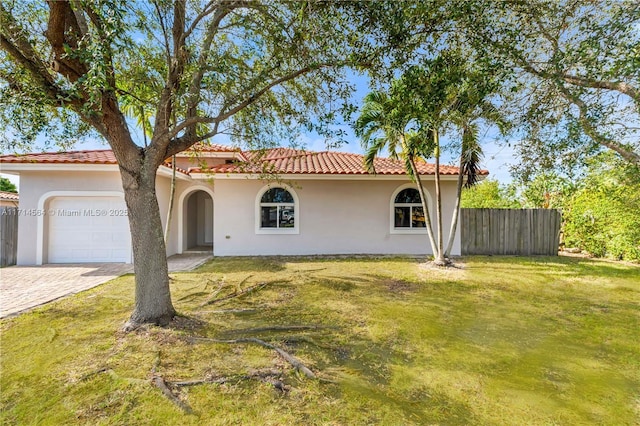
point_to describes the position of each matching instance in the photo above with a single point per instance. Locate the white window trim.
(296, 206)
(392, 211)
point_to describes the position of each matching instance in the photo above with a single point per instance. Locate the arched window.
(407, 210)
(277, 211)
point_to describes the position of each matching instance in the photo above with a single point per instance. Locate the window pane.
(287, 217)
(269, 217)
(277, 195)
(402, 217)
(409, 196)
(417, 217)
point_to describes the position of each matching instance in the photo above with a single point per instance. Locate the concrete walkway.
(25, 287)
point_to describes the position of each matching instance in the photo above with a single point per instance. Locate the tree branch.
(254, 97)
(163, 27)
(175, 65)
(63, 33)
(284, 354)
(17, 46)
(590, 130)
(206, 11)
(194, 89)
(619, 86)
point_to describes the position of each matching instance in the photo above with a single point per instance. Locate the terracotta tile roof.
(291, 161)
(11, 196)
(276, 160)
(179, 169)
(212, 147)
(103, 156)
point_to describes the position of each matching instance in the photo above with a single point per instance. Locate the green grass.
(504, 341)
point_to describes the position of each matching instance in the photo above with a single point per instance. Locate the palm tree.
(385, 122)
(408, 122)
(471, 107)
(469, 166)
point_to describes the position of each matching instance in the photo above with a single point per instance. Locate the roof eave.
(315, 176)
(16, 168)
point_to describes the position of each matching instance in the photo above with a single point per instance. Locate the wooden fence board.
(510, 231)
(8, 236)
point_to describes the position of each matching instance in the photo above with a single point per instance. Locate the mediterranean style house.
(230, 202)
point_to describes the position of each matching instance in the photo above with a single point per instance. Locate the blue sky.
(497, 158)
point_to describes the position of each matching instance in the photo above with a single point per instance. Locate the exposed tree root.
(160, 383)
(193, 295)
(242, 293)
(217, 290)
(90, 374)
(297, 364)
(229, 311)
(203, 292)
(279, 328)
(309, 270)
(268, 376)
(113, 375)
(136, 322)
(293, 339)
(241, 283)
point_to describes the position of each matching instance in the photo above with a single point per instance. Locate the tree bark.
(152, 296)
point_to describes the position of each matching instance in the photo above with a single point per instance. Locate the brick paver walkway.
(25, 287)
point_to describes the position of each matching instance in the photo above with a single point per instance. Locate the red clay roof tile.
(276, 160)
(11, 196)
(103, 156)
(288, 161)
(212, 147)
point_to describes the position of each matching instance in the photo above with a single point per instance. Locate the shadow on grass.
(397, 348)
(243, 264)
(579, 266)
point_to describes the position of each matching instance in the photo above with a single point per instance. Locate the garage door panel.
(85, 229)
(119, 238)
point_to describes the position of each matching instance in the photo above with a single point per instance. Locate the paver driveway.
(25, 287)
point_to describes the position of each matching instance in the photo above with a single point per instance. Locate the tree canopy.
(574, 75)
(191, 69)
(569, 69)
(7, 186)
(184, 72)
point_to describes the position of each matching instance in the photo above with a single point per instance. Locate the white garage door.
(88, 229)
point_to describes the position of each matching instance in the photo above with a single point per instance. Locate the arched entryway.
(197, 222)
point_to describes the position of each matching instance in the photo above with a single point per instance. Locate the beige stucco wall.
(188, 162)
(335, 217)
(8, 203)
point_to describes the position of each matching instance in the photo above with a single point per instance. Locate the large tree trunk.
(152, 297)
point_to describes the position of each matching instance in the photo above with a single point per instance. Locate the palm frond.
(471, 154)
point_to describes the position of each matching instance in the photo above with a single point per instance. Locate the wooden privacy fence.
(510, 231)
(8, 235)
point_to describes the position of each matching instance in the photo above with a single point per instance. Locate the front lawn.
(503, 341)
